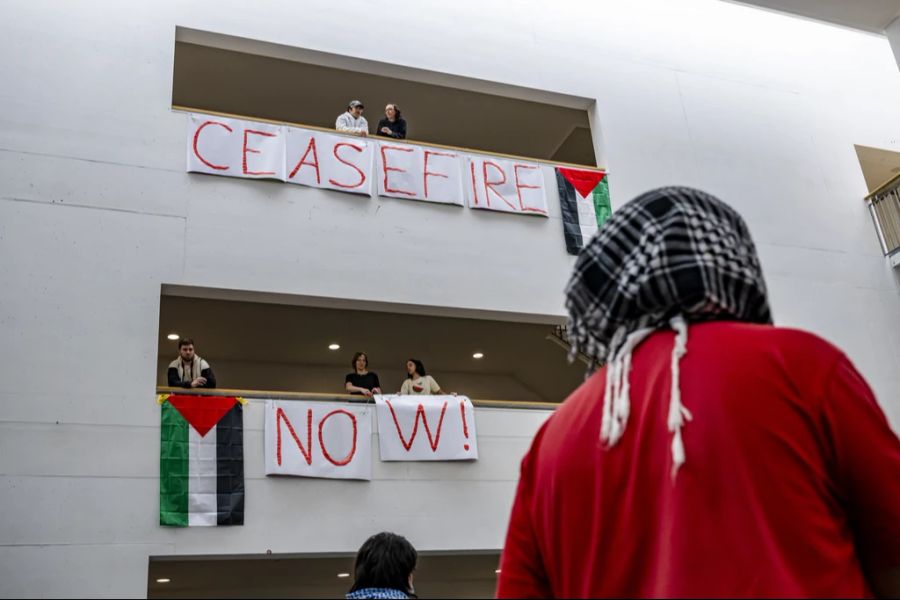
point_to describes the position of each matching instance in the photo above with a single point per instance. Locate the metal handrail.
(884, 206)
(318, 397)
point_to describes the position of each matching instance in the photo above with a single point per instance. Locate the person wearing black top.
(392, 125)
(362, 381)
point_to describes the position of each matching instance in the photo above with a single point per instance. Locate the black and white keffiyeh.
(669, 257)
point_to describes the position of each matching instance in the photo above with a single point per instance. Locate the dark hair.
(357, 355)
(385, 560)
(396, 111)
(185, 341)
(420, 368)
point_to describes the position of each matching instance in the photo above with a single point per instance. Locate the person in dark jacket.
(189, 370)
(392, 125)
(384, 568)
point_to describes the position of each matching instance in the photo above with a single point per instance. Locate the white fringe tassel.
(617, 399)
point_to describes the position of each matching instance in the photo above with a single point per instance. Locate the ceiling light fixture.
(334, 346)
(343, 575)
(497, 571)
(478, 355)
(173, 336)
(163, 580)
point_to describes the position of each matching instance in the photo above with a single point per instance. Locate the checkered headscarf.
(669, 257)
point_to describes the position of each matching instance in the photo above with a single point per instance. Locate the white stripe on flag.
(587, 216)
(202, 478)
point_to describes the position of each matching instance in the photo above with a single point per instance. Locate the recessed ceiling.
(437, 575)
(867, 15)
(255, 85)
(878, 165)
(262, 346)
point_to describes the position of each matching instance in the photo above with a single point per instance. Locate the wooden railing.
(318, 397)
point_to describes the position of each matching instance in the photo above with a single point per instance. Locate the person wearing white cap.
(352, 121)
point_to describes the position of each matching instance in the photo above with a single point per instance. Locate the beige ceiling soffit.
(327, 59)
(359, 304)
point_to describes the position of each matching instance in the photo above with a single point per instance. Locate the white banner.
(426, 428)
(235, 148)
(317, 439)
(418, 173)
(329, 161)
(506, 185)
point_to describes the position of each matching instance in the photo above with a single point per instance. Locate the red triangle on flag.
(583, 181)
(202, 412)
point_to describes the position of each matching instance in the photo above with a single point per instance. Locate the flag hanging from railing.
(584, 200)
(201, 462)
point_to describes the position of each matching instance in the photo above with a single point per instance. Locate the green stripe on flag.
(602, 206)
(173, 468)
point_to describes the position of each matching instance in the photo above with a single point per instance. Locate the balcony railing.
(314, 397)
(884, 205)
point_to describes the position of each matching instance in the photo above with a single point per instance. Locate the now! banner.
(412, 428)
(318, 439)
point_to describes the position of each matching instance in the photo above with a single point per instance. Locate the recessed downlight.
(173, 336)
(163, 580)
(343, 575)
(478, 355)
(334, 346)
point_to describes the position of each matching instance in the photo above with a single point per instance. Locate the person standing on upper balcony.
(418, 382)
(361, 380)
(352, 121)
(392, 125)
(189, 370)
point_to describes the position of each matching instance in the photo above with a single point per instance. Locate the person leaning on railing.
(362, 381)
(392, 125)
(352, 121)
(418, 382)
(189, 370)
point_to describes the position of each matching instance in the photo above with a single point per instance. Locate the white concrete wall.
(96, 213)
(893, 35)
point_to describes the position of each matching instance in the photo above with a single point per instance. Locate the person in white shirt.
(352, 121)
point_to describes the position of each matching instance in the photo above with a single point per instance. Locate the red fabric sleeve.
(522, 573)
(867, 467)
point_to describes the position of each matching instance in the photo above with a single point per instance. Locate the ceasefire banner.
(318, 439)
(329, 161)
(426, 428)
(256, 150)
(506, 185)
(419, 173)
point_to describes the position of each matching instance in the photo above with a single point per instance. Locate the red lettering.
(386, 168)
(521, 186)
(420, 412)
(426, 172)
(474, 187)
(362, 176)
(246, 150)
(197, 139)
(307, 453)
(311, 147)
(489, 185)
(462, 414)
(352, 453)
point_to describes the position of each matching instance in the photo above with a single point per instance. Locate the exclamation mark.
(462, 413)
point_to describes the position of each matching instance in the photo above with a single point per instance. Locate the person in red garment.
(714, 455)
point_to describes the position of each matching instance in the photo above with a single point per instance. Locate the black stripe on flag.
(568, 202)
(230, 464)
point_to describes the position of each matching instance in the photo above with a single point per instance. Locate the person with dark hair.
(361, 380)
(384, 568)
(418, 381)
(714, 455)
(392, 125)
(189, 370)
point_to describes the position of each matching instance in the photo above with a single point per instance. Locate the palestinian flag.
(201, 461)
(584, 199)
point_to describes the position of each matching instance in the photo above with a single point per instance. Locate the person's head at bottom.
(384, 568)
